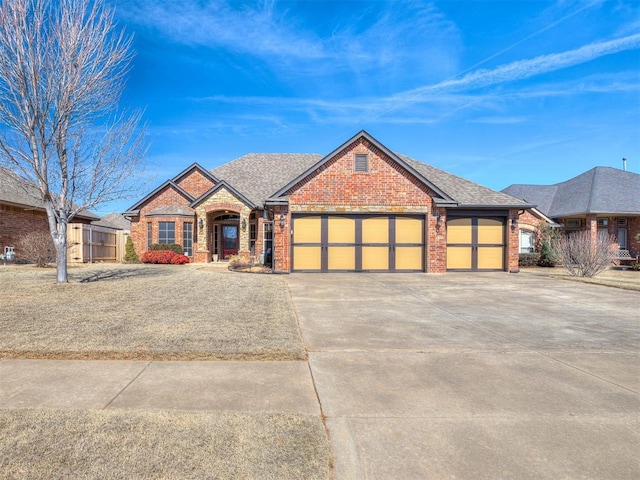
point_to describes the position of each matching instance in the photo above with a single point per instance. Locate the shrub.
(164, 257)
(235, 263)
(173, 247)
(583, 257)
(130, 254)
(635, 266)
(38, 248)
(528, 259)
(547, 245)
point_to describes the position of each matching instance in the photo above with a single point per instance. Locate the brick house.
(362, 207)
(22, 212)
(600, 199)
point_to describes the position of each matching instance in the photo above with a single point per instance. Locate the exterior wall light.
(439, 222)
(244, 224)
(200, 224)
(282, 220)
(514, 222)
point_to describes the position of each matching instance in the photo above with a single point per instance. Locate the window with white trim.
(527, 241)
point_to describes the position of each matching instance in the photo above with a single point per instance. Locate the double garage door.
(342, 243)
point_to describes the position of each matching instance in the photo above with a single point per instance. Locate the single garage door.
(355, 243)
(476, 243)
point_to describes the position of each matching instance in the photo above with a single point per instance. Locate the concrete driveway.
(474, 375)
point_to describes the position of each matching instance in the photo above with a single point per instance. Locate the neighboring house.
(102, 240)
(362, 207)
(22, 212)
(601, 199)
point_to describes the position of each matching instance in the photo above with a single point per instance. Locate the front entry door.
(229, 240)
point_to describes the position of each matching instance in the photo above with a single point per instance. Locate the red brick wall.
(15, 222)
(385, 184)
(195, 183)
(386, 188)
(167, 196)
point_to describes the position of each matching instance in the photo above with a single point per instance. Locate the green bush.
(173, 247)
(547, 246)
(130, 254)
(635, 266)
(528, 259)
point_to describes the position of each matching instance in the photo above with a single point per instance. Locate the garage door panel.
(307, 258)
(459, 258)
(375, 230)
(459, 230)
(490, 231)
(307, 230)
(341, 230)
(375, 258)
(341, 258)
(408, 230)
(408, 258)
(490, 258)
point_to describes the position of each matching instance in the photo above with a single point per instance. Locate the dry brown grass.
(146, 312)
(125, 444)
(613, 277)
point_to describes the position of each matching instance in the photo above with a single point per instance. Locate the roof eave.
(493, 206)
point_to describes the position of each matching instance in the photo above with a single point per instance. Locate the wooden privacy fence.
(90, 243)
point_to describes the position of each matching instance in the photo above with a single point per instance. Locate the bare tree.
(62, 70)
(584, 257)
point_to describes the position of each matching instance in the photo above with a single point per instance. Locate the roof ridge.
(594, 180)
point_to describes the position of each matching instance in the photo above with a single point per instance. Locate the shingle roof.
(17, 191)
(171, 210)
(599, 190)
(113, 220)
(259, 175)
(465, 192)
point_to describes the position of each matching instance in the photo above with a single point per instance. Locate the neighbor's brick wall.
(15, 222)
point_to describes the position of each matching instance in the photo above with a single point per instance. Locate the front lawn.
(146, 312)
(134, 444)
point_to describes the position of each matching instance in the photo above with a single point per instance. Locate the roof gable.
(317, 167)
(133, 210)
(219, 186)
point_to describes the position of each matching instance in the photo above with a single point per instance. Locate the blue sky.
(497, 92)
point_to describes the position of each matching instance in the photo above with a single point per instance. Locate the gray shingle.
(113, 220)
(599, 190)
(16, 190)
(259, 175)
(464, 192)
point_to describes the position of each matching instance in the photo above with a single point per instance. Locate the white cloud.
(386, 41)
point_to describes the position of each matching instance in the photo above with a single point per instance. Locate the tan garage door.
(339, 243)
(475, 243)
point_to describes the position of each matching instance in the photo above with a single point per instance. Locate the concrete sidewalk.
(213, 385)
